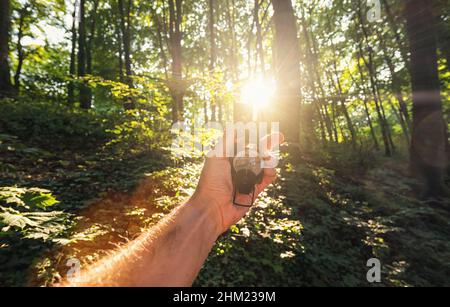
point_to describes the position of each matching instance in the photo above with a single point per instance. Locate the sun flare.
(258, 92)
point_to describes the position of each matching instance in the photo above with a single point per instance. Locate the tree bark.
(177, 87)
(85, 101)
(72, 66)
(6, 87)
(91, 37)
(20, 51)
(428, 145)
(287, 70)
(125, 27)
(259, 39)
(212, 58)
(120, 49)
(159, 37)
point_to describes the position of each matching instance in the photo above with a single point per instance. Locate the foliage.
(50, 125)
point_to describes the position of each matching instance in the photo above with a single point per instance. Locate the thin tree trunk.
(387, 141)
(348, 119)
(72, 66)
(401, 113)
(125, 38)
(159, 37)
(232, 32)
(310, 64)
(85, 102)
(89, 42)
(91, 37)
(177, 87)
(6, 87)
(125, 26)
(20, 51)
(120, 50)
(428, 145)
(366, 108)
(395, 29)
(259, 39)
(212, 58)
(381, 120)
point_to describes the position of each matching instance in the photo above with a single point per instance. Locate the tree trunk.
(342, 99)
(287, 70)
(159, 36)
(125, 27)
(395, 29)
(6, 87)
(212, 59)
(316, 72)
(89, 42)
(259, 38)
(72, 66)
(91, 37)
(177, 87)
(387, 140)
(402, 111)
(20, 51)
(85, 101)
(428, 144)
(120, 50)
(231, 20)
(366, 108)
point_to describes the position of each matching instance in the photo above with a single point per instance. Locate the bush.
(51, 125)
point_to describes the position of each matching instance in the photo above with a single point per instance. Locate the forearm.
(170, 254)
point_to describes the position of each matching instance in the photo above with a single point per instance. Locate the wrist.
(209, 210)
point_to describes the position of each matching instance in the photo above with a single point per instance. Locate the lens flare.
(258, 92)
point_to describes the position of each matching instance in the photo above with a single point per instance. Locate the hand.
(215, 188)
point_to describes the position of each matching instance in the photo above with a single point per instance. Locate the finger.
(270, 174)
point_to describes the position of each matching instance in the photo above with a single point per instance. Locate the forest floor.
(316, 226)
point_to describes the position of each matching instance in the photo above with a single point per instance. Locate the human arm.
(172, 252)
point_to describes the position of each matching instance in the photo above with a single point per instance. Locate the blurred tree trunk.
(233, 59)
(159, 37)
(90, 40)
(125, 27)
(428, 144)
(259, 38)
(341, 98)
(231, 20)
(72, 65)
(20, 51)
(366, 107)
(401, 112)
(85, 101)
(6, 87)
(212, 58)
(177, 87)
(316, 73)
(393, 23)
(287, 70)
(119, 49)
(387, 140)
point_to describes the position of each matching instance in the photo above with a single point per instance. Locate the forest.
(94, 93)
